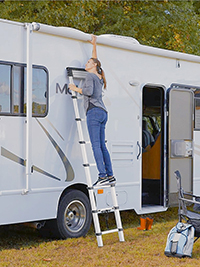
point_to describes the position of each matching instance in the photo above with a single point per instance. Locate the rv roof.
(125, 39)
(11, 22)
(122, 42)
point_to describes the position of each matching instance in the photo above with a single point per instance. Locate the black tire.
(73, 218)
(74, 215)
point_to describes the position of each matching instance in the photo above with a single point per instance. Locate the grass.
(22, 246)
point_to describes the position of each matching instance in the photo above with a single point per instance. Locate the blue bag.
(180, 241)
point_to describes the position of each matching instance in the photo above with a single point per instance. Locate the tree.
(166, 24)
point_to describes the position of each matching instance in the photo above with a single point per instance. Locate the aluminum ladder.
(80, 74)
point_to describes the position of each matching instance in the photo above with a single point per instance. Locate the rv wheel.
(74, 215)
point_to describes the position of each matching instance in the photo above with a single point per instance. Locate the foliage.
(166, 24)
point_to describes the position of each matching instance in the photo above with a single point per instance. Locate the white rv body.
(40, 155)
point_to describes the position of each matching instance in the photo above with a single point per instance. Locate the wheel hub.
(75, 216)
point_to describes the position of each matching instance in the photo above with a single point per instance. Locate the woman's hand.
(93, 41)
(73, 87)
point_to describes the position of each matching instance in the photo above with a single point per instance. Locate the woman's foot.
(112, 179)
(105, 181)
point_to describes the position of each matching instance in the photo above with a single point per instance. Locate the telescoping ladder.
(80, 74)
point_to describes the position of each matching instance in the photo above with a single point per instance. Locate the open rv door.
(180, 139)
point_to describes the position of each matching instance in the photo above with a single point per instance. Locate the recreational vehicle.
(153, 102)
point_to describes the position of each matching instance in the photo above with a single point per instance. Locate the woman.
(96, 115)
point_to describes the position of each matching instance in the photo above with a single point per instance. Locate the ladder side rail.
(95, 217)
(81, 138)
(82, 143)
(117, 214)
(77, 115)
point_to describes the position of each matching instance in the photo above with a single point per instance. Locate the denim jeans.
(96, 121)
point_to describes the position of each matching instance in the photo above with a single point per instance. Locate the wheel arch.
(78, 186)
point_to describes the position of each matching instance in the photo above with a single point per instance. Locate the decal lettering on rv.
(64, 89)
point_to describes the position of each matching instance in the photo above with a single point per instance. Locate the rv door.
(180, 140)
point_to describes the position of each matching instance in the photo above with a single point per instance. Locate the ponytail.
(104, 78)
(100, 70)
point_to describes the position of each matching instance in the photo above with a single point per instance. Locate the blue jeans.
(96, 121)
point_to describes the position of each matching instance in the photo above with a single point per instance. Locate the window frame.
(195, 128)
(10, 88)
(22, 65)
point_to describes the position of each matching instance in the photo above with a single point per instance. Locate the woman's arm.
(87, 88)
(94, 55)
(74, 88)
(94, 50)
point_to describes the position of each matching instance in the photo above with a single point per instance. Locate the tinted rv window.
(13, 90)
(39, 91)
(18, 90)
(39, 94)
(197, 113)
(5, 83)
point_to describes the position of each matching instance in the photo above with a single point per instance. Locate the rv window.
(13, 90)
(18, 90)
(197, 113)
(5, 77)
(39, 93)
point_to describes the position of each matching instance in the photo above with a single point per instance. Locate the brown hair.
(100, 70)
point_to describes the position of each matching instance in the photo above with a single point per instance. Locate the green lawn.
(22, 246)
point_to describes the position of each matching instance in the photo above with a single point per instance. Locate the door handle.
(138, 155)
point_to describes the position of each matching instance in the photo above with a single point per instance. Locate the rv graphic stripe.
(66, 163)
(55, 129)
(13, 157)
(9, 155)
(45, 173)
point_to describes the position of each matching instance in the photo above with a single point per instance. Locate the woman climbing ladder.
(96, 115)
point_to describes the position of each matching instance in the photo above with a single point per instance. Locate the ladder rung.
(109, 231)
(89, 164)
(103, 186)
(111, 209)
(92, 164)
(106, 210)
(84, 142)
(80, 119)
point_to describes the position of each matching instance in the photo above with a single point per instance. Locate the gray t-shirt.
(92, 91)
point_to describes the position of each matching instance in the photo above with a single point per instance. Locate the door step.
(151, 209)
